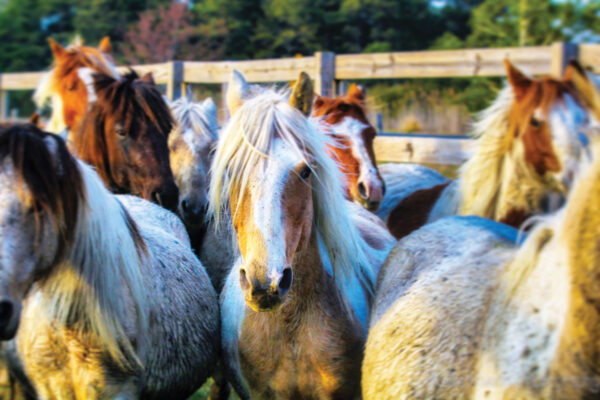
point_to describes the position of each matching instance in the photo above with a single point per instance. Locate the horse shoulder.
(411, 193)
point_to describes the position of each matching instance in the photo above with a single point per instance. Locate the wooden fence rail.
(330, 71)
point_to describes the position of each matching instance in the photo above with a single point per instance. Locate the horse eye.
(305, 173)
(120, 129)
(535, 122)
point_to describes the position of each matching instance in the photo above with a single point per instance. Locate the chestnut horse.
(103, 301)
(346, 121)
(63, 86)
(303, 283)
(529, 142)
(454, 320)
(124, 136)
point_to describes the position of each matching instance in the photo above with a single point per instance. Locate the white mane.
(245, 145)
(103, 262)
(199, 117)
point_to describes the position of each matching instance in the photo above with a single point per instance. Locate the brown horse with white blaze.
(62, 85)
(346, 122)
(124, 136)
(302, 284)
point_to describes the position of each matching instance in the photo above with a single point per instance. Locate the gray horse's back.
(184, 326)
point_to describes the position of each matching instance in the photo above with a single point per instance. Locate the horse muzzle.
(265, 294)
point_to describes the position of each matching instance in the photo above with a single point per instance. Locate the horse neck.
(579, 349)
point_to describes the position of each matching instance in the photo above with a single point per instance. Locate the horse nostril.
(6, 311)
(185, 206)
(285, 283)
(244, 283)
(362, 190)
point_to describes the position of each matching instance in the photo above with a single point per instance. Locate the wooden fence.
(331, 71)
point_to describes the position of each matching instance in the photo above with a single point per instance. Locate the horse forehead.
(349, 126)
(282, 159)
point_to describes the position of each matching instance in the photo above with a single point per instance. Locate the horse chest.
(310, 356)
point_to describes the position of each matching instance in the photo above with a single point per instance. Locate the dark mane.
(132, 101)
(53, 178)
(137, 100)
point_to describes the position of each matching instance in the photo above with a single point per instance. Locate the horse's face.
(39, 198)
(354, 135)
(67, 84)
(273, 222)
(191, 152)
(124, 135)
(548, 119)
(190, 162)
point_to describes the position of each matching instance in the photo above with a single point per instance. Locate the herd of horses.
(144, 250)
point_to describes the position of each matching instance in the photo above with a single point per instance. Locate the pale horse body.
(461, 313)
(528, 145)
(296, 304)
(116, 305)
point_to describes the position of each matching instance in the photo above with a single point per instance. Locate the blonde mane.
(497, 169)
(107, 254)
(245, 145)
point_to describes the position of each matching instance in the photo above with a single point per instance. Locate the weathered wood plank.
(589, 56)
(175, 81)
(448, 63)
(274, 70)
(30, 80)
(562, 53)
(423, 149)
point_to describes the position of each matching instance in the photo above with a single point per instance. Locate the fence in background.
(330, 72)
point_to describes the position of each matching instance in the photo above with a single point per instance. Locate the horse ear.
(58, 52)
(356, 92)
(237, 91)
(302, 94)
(148, 78)
(105, 45)
(584, 86)
(517, 79)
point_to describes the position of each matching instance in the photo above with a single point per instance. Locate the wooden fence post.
(341, 87)
(225, 113)
(175, 84)
(324, 73)
(562, 53)
(3, 101)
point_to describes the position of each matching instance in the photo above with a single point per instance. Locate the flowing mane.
(100, 246)
(193, 116)
(506, 170)
(246, 143)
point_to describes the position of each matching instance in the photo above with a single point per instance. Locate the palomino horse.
(103, 301)
(303, 283)
(64, 88)
(346, 121)
(529, 143)
(124, 136)
(453, 320)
